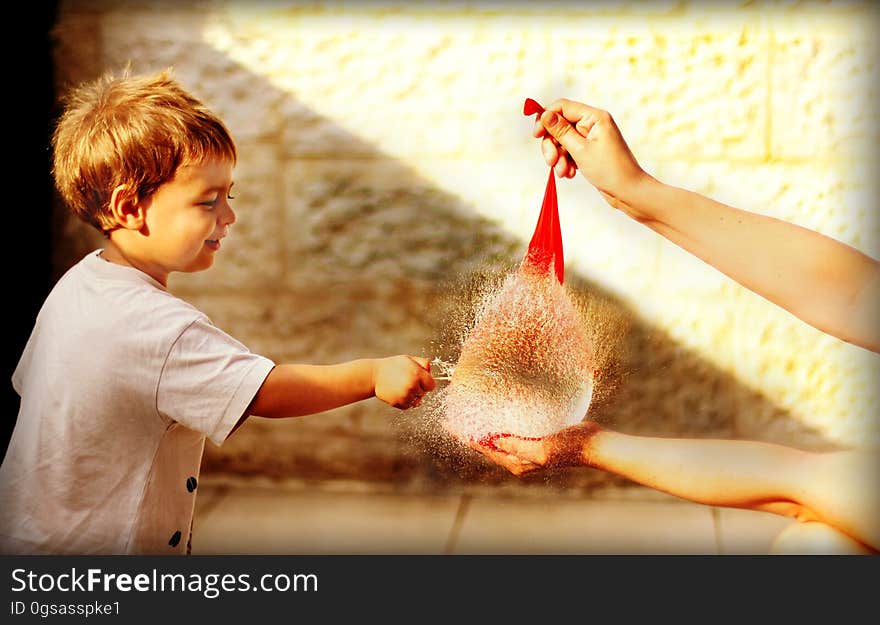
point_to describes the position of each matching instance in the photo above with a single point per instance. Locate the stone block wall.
(386, 168)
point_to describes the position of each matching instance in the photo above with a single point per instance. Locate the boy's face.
(186, 218)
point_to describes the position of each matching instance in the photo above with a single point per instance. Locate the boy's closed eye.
(216, 191)
(212, 203)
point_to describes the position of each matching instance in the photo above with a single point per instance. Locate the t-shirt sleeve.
(208, 380)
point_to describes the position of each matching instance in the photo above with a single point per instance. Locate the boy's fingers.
(427, 382)
(424, 363)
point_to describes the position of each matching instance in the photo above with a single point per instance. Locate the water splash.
(442, 370)
(526, 365)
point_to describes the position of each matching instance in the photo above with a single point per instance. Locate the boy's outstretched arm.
(838, 489)
(824, 282)
(293, 390)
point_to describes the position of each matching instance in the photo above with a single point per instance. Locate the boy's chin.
(200, 264)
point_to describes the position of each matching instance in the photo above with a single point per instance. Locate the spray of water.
(526, 367)
(523, 355)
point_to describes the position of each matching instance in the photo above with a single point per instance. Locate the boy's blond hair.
(130, 130)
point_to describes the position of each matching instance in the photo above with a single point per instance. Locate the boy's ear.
(127, 210)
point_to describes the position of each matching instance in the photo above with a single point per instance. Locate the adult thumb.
(561, 130)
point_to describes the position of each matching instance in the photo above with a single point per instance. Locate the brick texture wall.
(386, 166)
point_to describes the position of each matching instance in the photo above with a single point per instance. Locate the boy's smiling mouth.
(213, 244)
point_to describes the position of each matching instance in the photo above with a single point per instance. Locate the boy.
(120, 381)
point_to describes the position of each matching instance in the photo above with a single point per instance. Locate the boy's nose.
(228, 217)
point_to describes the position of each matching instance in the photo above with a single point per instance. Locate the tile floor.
(236, 516)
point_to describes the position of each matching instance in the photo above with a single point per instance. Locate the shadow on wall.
(359, 255)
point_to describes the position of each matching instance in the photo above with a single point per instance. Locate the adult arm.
(826, 283)
(836, 488)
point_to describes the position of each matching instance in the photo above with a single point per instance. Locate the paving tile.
(277, 521)
(257, 518)
(748, 532)
(497, 526)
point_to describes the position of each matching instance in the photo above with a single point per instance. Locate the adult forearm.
(839, 489)
(730, 473)
(818, 279)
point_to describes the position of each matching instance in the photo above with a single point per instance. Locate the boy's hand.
(402, 381)
(577, 136)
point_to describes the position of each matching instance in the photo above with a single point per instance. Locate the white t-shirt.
(120, 383)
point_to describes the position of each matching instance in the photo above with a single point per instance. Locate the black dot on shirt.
(191, 484)
(175, 539)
